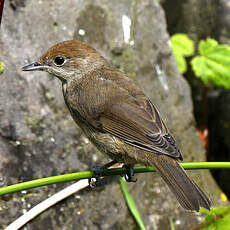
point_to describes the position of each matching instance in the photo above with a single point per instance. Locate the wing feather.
(140, 126)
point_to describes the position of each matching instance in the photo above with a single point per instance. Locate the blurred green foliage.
(2, 67)
(182, 46)
(211, 66)
(217, 218)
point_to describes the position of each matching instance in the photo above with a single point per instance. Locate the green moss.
(127, 62)
(123, 60)
(2, 67)
(34, 122)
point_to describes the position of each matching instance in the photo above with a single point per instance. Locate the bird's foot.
(95, 181)
(129, 175)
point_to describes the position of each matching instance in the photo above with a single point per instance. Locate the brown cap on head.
(71, 48)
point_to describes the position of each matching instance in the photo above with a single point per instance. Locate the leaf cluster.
(217, 218)
(212, 65)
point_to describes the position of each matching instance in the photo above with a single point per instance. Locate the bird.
(117, 117)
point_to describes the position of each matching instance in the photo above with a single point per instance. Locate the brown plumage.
(117, 117)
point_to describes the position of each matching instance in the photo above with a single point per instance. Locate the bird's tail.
(187, 192)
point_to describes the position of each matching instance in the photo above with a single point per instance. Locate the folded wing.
(140, 125)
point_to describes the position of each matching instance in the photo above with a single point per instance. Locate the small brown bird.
(117, 117)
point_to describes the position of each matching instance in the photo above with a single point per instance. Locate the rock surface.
(38, 137)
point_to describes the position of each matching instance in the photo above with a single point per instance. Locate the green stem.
(107, 172)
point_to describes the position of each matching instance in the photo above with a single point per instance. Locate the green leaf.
(2, 67)
(182, 46)
(131, 204)
(217, 218)
(213, 64)
(181, 63)
(206, 47)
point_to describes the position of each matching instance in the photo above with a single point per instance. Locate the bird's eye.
(59, 61)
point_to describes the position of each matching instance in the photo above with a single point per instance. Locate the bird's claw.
(95, 181)
(129, 175)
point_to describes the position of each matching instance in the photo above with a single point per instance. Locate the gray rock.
(38, 137)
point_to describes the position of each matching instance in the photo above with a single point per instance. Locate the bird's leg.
(129, 175)
(97, 172)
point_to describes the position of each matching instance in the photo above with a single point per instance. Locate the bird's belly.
(112, 146)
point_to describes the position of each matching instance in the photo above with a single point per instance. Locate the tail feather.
(187, 192)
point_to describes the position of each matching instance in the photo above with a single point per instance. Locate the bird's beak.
(34, 66)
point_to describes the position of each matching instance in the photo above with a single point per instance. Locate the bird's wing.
(140, 125)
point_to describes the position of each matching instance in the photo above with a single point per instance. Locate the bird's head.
(68, 60)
